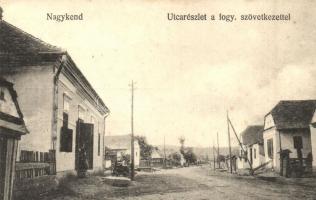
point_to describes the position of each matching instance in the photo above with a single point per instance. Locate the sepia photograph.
(157, 100)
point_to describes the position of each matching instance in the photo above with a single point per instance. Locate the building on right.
(313, 139)
(287, 136)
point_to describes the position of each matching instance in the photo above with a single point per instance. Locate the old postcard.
(157, 99)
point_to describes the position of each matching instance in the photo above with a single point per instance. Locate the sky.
(188, 74)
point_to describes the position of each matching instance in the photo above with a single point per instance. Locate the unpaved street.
(198, 183)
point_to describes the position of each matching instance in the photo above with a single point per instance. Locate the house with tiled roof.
(118, 146)
(251, 152)
(287, 134)
(61, 109)
(157, 158)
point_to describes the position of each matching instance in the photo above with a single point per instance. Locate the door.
(84, 139)
(3, 152)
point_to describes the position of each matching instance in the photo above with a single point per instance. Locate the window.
(2, 95)
(270, 148)
(254, 153)
(65, 119)
(65, 132)
(99, 140)
(298, 142)
(66, 139)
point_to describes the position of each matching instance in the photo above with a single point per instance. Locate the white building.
(252, 152)
(119, 145)
(313, 139)
(287, 128)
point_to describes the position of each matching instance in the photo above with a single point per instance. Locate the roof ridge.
(31, 36)
(299, 100)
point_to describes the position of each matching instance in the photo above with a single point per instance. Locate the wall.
(258, 159)
(288, 143)
(137, 153)
(34, 87)
(66, 160)
(241, 162)
(272, 133)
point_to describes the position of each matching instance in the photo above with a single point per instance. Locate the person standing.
(83, 162)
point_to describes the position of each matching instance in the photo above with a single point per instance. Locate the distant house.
(61, 109)
(252, 141)
(118, 146)
(157, 158)
(287, 131)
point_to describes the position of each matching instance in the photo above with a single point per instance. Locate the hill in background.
(201, 152)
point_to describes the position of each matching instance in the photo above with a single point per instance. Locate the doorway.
(84, 138)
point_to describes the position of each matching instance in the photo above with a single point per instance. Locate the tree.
(220, 158)
(145, 148)
(175, 158)
(189, 156)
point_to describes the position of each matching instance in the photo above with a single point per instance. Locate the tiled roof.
(156, 154)
(293, 114)
(252, 135)
(15, 41)
(18, 48)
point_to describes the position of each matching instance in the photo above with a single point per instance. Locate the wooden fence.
(35, 164)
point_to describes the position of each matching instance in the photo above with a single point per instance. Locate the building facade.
(251, 152)
(62, 111)
(287, 129)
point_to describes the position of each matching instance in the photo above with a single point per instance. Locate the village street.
(198, 183)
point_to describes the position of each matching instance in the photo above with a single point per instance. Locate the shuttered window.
(99, 141)
(270, 148)
(298, 142)
(66, 135)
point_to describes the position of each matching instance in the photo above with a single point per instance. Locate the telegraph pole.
(132, 133)
(241, 146)
(230, 150)
(164, 151)
(218, 161)
(214, 156)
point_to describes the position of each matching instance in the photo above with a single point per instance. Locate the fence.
(35, 164)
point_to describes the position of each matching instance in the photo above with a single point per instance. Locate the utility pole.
(230, 150)
(218, 161)
(132, 133)
(164, 151)
(213, 155)
(241, 146)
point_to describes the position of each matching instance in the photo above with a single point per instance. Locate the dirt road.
(197, 183)
(217, 185)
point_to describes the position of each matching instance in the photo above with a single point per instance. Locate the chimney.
(1, 11)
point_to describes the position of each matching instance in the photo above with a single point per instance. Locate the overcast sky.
(188, 73)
